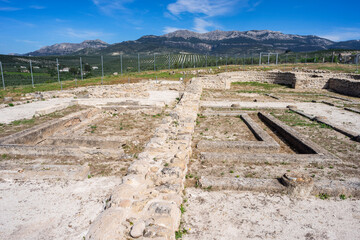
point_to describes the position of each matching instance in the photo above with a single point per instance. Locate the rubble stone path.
(147, 203)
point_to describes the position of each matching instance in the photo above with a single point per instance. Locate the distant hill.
(215, 42)
(352, 44)
(69, 48)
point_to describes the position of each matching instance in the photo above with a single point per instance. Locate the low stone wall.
(298, 80)
(147, 203)
(283, 78)
(345, 86)
(129, 90)
(224, 80)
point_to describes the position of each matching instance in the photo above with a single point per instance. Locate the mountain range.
(215, 42)
(69, 48)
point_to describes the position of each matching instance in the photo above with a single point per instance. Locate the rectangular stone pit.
(72, 139)
(264, 144)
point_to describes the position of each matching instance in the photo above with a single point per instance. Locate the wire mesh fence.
(21, 70)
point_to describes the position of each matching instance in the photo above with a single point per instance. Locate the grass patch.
(324, 196)
(23, 122)
(293, 119)
(266, 86)
(179, 234)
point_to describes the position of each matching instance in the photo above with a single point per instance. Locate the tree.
(87, 68)
(73, 71)
(51, 72)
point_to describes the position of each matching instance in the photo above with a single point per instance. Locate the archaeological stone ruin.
(248, 153)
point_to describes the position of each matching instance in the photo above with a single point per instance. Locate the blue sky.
(26, 25)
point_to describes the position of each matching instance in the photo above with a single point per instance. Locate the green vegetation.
(323, 196)
(342, 197)
(157, 115)
(23, 122)
(266, 86)
(179, 234)
(189, 175)
(182, 209)
(293, 119)
(339, 68)
(93, 128)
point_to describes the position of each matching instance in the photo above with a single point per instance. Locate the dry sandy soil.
(51, 209)
(246, 215)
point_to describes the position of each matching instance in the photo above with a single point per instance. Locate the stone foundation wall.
(298, 80)
(147, 204)
(283, 78)
(345, 86)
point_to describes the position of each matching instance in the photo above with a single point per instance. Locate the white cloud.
(27, 41)
(205, 10)
(109, 6)
(343, 34)
(253, 6)
(170, 29)
(81, 34)
(37, 7)
(201, 25)
(9, 9)
(207, 7)
(59, 20)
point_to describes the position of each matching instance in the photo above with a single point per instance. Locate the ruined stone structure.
(343, 83)
(177, 133)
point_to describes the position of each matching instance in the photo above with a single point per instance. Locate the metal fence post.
(277, 57)
(57, 67)
(2, 75)
(32, 77)
(138, 62)
(260, 60)
(81, 71)
(102, 69)
(268, 58)
(121, 64)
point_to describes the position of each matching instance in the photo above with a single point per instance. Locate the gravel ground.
(246, 215)
(27, 111)
(51, 209)
(349, 120)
